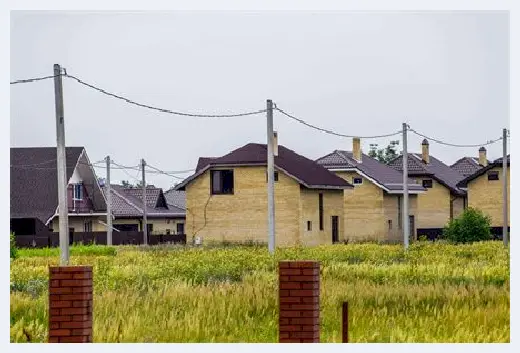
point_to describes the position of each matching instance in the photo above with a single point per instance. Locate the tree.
(127, 184)
(384, 155)
(469, 227)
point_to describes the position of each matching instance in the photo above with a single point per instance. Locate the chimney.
(356, 149)
(482, 157)
(275, 143)
(425, 151)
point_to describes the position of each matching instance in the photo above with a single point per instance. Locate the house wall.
(79, 206)
(243, 215)
(160, 225)
(309, 205)
(391, 212)
(363, 213)
(78, 223)
(487, 195)
(458, 206)
(433, 206)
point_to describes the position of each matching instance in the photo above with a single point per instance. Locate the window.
(78, 192)
(320, 205)
(399, 213)
(168, 231)
(87, 226)
(493, 175)
(309, 226)
(180, 228)
(427, 183)
(389, 224)
(357, 181)
(222, 182)
(275, 176)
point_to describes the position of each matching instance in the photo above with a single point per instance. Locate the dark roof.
(307, 172)
(388, 177)
(466, 166)
(497, 163)
(176, 198)
(34, 189)
(127, 202)
(203, 161)
(435, 169)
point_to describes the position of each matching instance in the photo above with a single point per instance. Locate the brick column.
(70, 304)
(299, 290)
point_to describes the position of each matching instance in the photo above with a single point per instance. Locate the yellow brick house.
(485, 191)
(226, 199)
(373, 210)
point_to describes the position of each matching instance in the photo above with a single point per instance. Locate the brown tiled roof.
(34, 189)
(435, 169)
(496, 163)
(176, 198)
(389, 178)
(307, 172)
(203, 162)
(466, 166)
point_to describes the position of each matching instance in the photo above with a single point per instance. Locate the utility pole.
(145, 223)
(270, 177)
(109, 204)
(505, 235)
(406, 221)
(62, 168)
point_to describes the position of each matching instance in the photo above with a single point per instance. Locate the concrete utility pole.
(270, 177)
(505, 235)
(145, 223)
(62, 168)
(406, 221)
(109, 204)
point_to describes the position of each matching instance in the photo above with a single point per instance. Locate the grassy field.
(432, 293)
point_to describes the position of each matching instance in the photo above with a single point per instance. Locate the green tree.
(472, 225)
(384, 155)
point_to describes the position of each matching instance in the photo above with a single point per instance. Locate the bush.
(469, 227)
(14, 250)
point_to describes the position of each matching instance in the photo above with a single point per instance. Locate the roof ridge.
(127, 200)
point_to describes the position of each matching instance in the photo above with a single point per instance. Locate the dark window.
(180, 228)
(399, 213)
(275, 176)
(320, 205)
(357, 181)
(309, 225)
(389, 224)
(87, 228)
(493, 175)
(127, 227)
(78, 192)
(168, 232)
(427, 183)
(222, 182)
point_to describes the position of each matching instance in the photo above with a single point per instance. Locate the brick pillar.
(299, 290)
(70, 304)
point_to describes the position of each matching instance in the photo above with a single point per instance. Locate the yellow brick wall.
(391, 212)
(487, 195)
(433, 206)
(458, 206)
(332, 206)
(243, 215)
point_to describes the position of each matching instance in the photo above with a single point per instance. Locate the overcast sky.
(446, 74)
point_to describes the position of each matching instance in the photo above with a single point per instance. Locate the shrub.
(469, 227)
(14, 250)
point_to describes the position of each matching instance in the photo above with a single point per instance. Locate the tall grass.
(432, 293)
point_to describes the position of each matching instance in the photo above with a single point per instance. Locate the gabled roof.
(435, 169)
(34, 180)
(203, 161)
(307, 172)
(496, 163)
(467, 166)
(176, 198)
(383, 176)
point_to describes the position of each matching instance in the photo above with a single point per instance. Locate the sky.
(445, 74)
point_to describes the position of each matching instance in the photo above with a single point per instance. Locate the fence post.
(345, 323)
(70, 304)
(299, 302)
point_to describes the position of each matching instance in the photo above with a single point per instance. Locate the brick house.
(226, 198)
(470, 165)
(373, 210)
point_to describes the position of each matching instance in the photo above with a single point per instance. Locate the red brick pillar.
(70, 304)
(299, 289)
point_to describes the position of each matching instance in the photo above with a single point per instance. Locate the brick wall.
(299, 290)
(70, 304)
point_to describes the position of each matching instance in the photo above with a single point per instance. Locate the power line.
(162, 110)
(489, 142)
(330, 131)
(28, 80)
(164, 173)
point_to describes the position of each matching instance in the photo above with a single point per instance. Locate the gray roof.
(467, 166)
(435, 169)
(496, 163)
(387, 177)
(176, 198)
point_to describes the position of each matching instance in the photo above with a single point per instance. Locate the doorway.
(335, 229)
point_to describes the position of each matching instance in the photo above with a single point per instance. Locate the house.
(443, 200)
(485, 192)
(226, 198)
(373, 210)
(34, 191)
(469, 165)
(128, 210)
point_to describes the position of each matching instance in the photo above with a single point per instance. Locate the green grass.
(432, 293)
